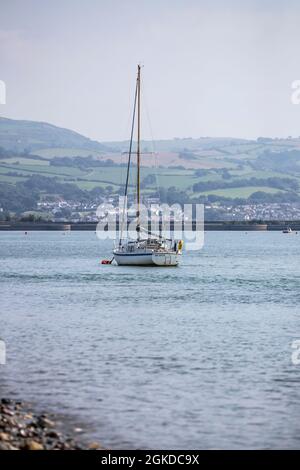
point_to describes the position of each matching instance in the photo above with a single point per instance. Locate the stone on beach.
(94, 446)
(45, 422)
(4, 436)
(33, 445)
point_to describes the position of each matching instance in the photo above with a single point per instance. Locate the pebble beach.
(23, 429)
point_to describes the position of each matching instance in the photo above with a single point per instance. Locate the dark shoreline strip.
(23, 429)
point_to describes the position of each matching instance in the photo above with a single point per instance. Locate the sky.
(210, 68)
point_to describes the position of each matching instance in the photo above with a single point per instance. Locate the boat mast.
(138, 149)
(129, 162)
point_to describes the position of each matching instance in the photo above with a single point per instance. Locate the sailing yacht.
(152, 250)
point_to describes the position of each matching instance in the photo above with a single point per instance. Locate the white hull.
(165, 259)
(147, 259)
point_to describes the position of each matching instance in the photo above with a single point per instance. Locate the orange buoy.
(105, 261)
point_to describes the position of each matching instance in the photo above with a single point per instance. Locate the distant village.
(248, 212)
(60, 211)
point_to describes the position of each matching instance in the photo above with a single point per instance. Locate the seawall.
(208, 226)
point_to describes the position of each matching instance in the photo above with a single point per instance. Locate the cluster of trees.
(17, 198)
(81, 162)
(173, 195)
(287, 161)
(187, 155)
(149, 180)
(288, 184)
(25, 195)
(263, 198)
(219, 171)
(5, 153)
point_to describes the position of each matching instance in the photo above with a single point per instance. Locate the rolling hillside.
(31, 136)
(213, 168)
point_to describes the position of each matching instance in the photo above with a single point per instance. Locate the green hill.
(40, 160)
(31, 136)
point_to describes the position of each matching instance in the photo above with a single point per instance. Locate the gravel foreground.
(22, 429)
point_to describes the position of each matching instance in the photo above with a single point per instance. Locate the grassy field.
(110, 175)
(66, 152)
(10, 179)
(18, 168)
(244, 192)
(23, 161)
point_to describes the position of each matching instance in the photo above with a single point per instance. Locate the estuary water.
(197, 356)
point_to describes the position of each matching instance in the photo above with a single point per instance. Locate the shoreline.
(22, 428)
(261, 226)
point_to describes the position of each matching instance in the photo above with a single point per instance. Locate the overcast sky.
(211, 68)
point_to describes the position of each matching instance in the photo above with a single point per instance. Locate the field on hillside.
(15, 168)
(244, 192)
(18, 168)
(224, 167)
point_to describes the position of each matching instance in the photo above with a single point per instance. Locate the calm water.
(192, 357)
